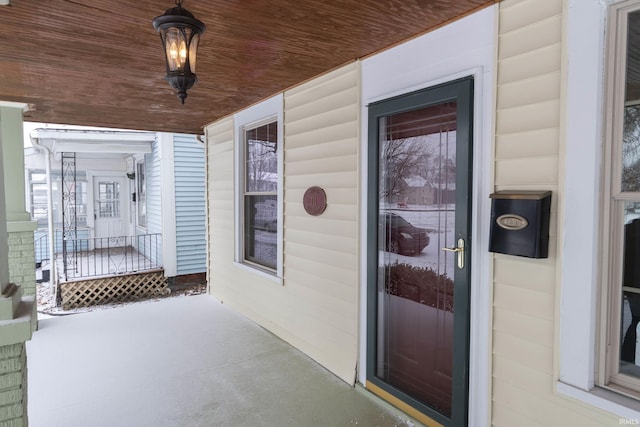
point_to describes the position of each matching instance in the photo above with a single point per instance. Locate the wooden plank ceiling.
(100, 63)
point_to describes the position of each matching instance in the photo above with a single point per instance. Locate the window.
(141, 196)
(108, 199)
(260, 195)
(258, 201)
(38, 197)
(620, 354)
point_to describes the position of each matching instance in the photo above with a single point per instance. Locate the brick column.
(22, 258)
(13, 385)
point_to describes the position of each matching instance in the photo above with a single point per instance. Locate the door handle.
(459, 250)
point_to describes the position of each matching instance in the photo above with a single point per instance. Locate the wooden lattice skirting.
(106, 290)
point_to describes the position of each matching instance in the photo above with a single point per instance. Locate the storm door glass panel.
(417, 204)
(108, 199)
(261, 196)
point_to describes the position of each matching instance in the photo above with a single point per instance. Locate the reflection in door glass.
(417, 193)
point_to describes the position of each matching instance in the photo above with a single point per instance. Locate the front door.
(419, 238)
(108, 212)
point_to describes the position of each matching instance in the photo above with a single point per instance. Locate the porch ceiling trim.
(140, 147)
(107, 142)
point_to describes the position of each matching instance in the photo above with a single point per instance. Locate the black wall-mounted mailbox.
(520, 223)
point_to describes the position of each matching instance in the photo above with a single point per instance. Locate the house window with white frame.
(260, 195)
(620, 352)
(141, 194)
(38, 197)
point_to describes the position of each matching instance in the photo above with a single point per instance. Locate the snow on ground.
(183, 362)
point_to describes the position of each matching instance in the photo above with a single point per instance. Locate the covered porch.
(152, 365)
(102, 270)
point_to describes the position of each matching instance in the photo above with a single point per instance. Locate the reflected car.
(401, 236)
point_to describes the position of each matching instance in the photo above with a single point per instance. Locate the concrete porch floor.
(185, 361)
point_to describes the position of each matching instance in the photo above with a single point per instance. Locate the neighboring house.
(118, 189)
(513, 97)
(416, 190)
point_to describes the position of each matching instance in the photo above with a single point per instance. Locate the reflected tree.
(400, 159)
(631, 149)
(420, 156)
(261, 163)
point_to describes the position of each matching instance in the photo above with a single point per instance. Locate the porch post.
(18, 220)
(168, 204)
(17, 313)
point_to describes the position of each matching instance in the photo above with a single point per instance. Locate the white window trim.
(583, 160)
(271, 108)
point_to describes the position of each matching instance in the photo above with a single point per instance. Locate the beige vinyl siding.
(219, 176)
(316, 306)
(528, 144)
(321, 133)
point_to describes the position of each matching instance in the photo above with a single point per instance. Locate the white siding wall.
(527, 148)
(316, 307)
(189, 164)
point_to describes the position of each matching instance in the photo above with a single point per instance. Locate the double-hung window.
(620, 349)
(260, 198)
(258, 150)
(38, 197)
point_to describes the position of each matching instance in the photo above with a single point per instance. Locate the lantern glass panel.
(193, 48)
(176, 49)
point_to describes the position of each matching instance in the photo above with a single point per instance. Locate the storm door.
(418, 257)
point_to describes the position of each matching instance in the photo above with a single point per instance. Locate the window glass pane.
(631, 149)
(630, 234)
(39, 205)
(260, 232)
(630, 291)
(109, 199)
(81, 203)
(261, 171)
(38, 177)
(141, 199)
(631, 130)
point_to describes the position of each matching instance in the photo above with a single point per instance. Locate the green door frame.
(460, 91)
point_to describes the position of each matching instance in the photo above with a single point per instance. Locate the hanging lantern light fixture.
(180, 34)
